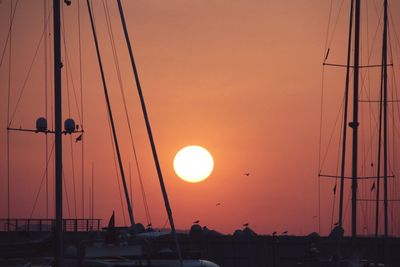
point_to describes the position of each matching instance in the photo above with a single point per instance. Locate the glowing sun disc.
(193, 164)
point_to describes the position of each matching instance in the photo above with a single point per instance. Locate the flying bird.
(373, 187)
(196, 222)
(284, 232)
(218, 204)
(246, 174)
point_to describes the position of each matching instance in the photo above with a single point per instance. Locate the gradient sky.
(240, 78)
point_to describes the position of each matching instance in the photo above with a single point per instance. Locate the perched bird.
(246, 224)
(67, 2)
(246, 174)
(196, 222)
(79, 138)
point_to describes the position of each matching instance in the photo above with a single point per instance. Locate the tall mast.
(58, 133)
(385, 119)
(110, 115)
(149, 132)
(346, 102)
(354, 124)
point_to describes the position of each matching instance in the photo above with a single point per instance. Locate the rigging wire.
(117, 173)
(68, 71)
(368, 217)
(82, 123)
(8, 115)
(395, 192)
(21, 92)
(321, 116)
(13, 10)
(66, 194)
(45, 103)
(52, 110)
(109, 111)
(121, 87)
(336, 173)
(328, 29)
(41, 183)
(332, 132)
(366, 85)
(329, 43)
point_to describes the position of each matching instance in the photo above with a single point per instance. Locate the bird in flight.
(218, 204)
(284, 232)
(246, 174)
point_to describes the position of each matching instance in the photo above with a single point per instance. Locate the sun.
(193, 164)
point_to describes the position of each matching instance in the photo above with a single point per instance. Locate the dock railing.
(47, 225)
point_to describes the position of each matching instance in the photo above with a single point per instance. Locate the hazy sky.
(240, 78)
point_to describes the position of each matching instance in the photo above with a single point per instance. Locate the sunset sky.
(240, 78)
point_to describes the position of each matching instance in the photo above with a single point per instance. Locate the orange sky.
(240, 78)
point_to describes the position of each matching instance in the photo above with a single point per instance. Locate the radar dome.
(69, 126)
(41, 124)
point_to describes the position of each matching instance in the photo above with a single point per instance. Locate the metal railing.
(48, 225)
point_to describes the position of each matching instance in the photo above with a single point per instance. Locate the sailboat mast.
(346, 103)
(58, 132)
(385, 119)
(149, 132)
(110, 115)
(354, 124)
